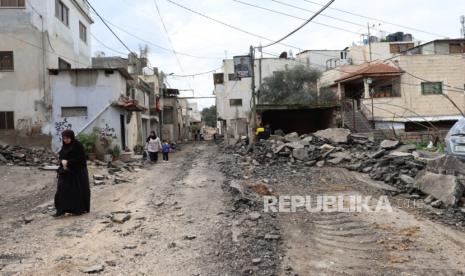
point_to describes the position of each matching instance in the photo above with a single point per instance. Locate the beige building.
(420, 89)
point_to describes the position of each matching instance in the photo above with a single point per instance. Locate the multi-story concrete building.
(37, 35)
(234, 95)
(419, 89)
(94, 97)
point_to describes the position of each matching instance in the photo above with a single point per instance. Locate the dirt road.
(182, 220)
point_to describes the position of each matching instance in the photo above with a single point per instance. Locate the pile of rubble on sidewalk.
(22, 156)
(389, 161)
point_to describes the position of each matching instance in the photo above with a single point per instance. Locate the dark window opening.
(425, 126)
(82, 32)
(6, 61)
(218, 78)
(74, 111)
(62, 64)
(7, 120)
(233, 77)
(62, 12)
(431, 88)
(12, 3)
(235, 102)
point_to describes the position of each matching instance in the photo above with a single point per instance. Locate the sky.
(137, 23)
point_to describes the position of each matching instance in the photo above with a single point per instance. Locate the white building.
(88, 98)
(36, 35)
(322, 60)
(234, 95)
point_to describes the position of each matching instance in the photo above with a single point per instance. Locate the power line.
(325, 15)
(168, 36)
(197, 74)
(156, 45)
(109, 48)
(229, 25)
(41, 48)
(377, 19)
(109, 28)
(296, 17)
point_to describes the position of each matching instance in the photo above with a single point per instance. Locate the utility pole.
(462, 21)
(369, 40)
(254, 108)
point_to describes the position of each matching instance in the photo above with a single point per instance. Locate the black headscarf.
(152, 136)
(68, 134)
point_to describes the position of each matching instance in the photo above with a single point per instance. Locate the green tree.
(209, 116)
(293, 86)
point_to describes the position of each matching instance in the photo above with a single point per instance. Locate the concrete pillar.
(366, 87)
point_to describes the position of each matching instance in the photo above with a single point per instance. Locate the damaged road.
(202, 213)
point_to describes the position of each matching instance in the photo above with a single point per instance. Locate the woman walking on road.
(153, 146)
(73, 191)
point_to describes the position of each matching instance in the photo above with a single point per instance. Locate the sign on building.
(243, 66)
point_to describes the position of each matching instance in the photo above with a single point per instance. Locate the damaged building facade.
(36, 35)
(234, 94)
(84, 99)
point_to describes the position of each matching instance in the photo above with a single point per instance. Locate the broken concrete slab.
(334, 135)
(407, 148)
(341, 154)
(292, 137)
(49, 168)
(300, 154)
(94, 269)
(408, 180)
(446, 164)
(376, 154)
(446, 188)
(389, 144)
(295, 145)
(335, 161)
(120, 217)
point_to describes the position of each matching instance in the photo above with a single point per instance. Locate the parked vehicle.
(455, 140)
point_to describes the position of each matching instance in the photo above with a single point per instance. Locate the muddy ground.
(184, 219)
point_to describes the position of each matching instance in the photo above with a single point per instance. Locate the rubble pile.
(23, 156)
(388, 161)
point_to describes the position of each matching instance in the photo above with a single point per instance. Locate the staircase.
(357, 122)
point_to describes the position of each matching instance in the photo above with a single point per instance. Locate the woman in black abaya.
(73, 192)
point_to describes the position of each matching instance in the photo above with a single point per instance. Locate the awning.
(371, 70)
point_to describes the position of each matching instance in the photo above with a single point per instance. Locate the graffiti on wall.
(62, 126)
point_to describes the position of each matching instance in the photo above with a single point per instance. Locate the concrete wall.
(379, 51)
(37, 43)
(318, 59)
(99, 92)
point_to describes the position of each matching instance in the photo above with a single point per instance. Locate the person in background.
(166, 148)
(153, 146)
(73, 191)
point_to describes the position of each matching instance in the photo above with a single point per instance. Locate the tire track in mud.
(337, 243)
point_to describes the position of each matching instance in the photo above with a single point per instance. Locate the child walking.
(166, 148)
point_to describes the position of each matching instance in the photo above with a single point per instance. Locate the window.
(400, 47)
(7, 120)
(6, 61)
(82, 32)
(456, 48)
(12, 4)
(431, 88)
(62, 64)
(235, 102)
(233, 77)
(218, 78)
(62, 12)
(385, 91)
(74, 111)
